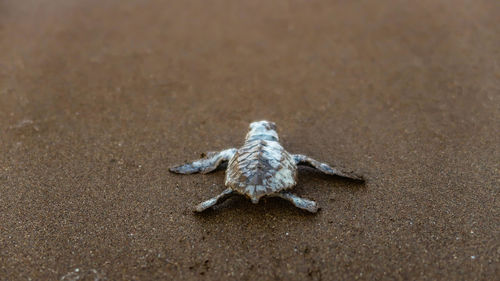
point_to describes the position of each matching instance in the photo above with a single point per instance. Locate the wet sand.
(98, 100)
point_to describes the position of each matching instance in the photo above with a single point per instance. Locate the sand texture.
(99, 98)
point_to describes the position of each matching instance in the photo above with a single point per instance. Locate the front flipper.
(298, 202)
(325, 168)
(205, 165)
(213, 201)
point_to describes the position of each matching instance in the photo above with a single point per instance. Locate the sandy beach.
(99, 98)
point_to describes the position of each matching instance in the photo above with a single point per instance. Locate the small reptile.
(261, 167)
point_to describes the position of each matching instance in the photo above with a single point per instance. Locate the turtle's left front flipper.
(205, 165)
(325, 168)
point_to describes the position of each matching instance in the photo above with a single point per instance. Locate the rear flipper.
(205, 165)
(298, 202)
(325, 168)
(213, 201)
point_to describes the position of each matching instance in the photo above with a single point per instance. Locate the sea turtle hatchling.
(261, 167)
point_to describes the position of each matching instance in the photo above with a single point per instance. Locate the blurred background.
(99, 98)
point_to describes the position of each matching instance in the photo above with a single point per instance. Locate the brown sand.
(98, 99)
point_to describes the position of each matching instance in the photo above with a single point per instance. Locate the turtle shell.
(261, 167)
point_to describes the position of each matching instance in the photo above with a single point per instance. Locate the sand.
(99, 98)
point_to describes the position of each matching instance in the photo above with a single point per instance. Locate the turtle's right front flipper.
(205, 165)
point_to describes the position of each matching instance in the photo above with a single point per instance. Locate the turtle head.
(264, 130)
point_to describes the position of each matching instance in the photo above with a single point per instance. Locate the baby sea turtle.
(261, 167)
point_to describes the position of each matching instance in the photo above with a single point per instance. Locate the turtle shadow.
(273, 218)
